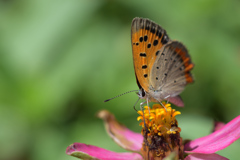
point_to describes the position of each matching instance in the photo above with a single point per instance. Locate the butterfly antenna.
(120, 95)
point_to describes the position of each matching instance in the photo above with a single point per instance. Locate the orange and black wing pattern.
(147, 40)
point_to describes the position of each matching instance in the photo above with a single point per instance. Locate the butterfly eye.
(141, 93)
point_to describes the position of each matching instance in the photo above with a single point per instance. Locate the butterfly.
(162, 66)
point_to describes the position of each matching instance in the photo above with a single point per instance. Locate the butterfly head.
(141, 93)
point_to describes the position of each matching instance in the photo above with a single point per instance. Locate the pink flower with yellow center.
(159, 139)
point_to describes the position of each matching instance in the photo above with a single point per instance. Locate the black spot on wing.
(144, 66)
(153, 28)
(160, 34)
(155, 42)
(143, 54)
(141, 23)
(147, 27)
(149, 45)
(145, 38)
(165, 39)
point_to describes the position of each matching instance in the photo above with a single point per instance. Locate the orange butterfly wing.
(147, 40)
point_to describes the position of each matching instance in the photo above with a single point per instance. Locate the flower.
(160, 131)
(162, 123)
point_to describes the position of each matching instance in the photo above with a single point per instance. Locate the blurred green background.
(59, 59)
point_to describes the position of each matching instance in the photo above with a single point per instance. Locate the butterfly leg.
(167, 100)
(148, 107)
(142, 103)
(135, 105)
(162, 105)
(141, 106)
(145, 131)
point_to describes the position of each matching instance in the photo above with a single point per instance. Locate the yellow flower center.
(160, 131)
(160, 120)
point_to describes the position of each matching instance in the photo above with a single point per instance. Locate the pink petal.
(84, 151)
(176, 101)
(217, 140)
(197, 156)
(120, 134)
(218, 125)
